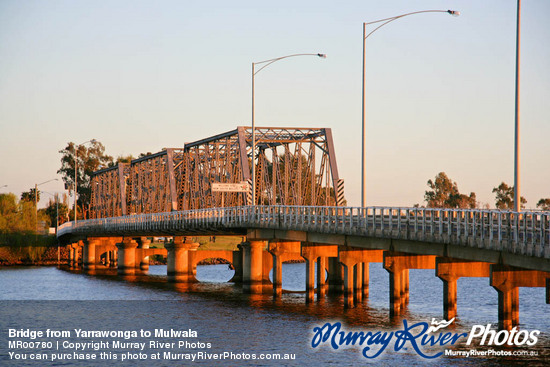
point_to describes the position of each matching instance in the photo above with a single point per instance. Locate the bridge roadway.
(511, 249)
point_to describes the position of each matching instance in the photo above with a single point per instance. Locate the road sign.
(230, 187)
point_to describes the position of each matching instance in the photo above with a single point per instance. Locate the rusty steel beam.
(294, 166)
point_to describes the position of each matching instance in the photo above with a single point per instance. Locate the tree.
(17, 216)
(504, 197)
(122, 159)
(444, 194)
(89, 159)
(30, 195)
(544, 204)
(57, 211)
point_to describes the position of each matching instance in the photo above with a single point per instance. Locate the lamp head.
(324, 56)
(93, 141)
(454, 13)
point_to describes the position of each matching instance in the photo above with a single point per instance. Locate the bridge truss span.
(294, 166)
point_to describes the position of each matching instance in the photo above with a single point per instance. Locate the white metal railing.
(525, 233)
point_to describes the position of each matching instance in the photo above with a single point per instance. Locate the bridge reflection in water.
(512, 249)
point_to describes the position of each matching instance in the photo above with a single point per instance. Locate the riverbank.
(32, 255)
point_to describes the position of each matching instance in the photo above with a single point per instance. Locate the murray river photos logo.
(419, 337)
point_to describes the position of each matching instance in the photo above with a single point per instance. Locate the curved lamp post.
(75, 171)
(264, 64)
(364, 135)
(517, 194)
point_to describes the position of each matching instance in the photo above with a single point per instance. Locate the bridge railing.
(526, 233)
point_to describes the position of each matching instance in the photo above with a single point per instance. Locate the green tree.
(544, 204)
(30, 195)
(55, 212)
(88, 159)
(444, 194)
(504, 197)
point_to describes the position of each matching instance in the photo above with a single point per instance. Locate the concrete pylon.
(127, 256)
(279, 251)
(238, 265)
(506, 280)
(253, 266)
(88, 252)
(353, 260)
(398, 264)
(143, 244)
(449, 271)
(177, 260)
(311, 252)
(322, 284)
(70, 259)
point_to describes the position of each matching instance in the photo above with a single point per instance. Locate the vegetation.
(504, 197)
(88, 160)
(444, 194)
(544, 204)
(57, 212)
(19, 216)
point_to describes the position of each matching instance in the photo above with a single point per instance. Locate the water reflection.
(217, 303)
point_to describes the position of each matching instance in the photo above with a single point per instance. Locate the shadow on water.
(214, 304)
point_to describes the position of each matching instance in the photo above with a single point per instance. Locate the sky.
(143, 75)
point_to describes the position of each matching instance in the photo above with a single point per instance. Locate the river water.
(41, 298)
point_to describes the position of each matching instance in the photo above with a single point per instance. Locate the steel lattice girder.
(294, 166)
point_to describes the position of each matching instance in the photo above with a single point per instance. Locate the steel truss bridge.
(294, 166)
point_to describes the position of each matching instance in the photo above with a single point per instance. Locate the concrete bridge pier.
(358, 282)
(322, 284)
(311, 252)
(74, 254)
(279, 252)
(177, 259)
(398, 265)
(365, 279)
(71, 256)
(238, 266)
(506, 280)
(143, 244)
(88, 253)
(335, 275)
(353, 259)
(449, 271)
(114, 258)
(253, 266)
(127, 256)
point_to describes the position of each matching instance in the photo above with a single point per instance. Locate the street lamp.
(254, 72)
(517, 194)
(75, 172)
(364, 132)
(36, 200)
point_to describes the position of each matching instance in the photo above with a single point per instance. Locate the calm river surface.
(41, 298)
